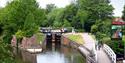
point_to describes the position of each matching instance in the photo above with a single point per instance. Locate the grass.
(93, 36)
(77, 38)
(40, 37)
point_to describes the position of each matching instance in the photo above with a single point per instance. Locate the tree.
(24, 15)
(54, 15)
(80, 18)
(66, 23)
(19, 15)
(20, 18)
(50, 7)
(94, 29)
(123, 13)
(97, 9)
(57, 24)
(39, 16)
(30, 26)
(6, 55)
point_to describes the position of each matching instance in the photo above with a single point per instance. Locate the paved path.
(101, 56)
(90, 43)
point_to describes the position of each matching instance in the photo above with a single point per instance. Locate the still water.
(61, 54)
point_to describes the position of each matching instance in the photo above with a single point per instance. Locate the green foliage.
(81, 14)
(5, 54)
(24, 15)
(39, 16)
(107, 40)
(100, 36)
(54, 15)
(30, 26)
(118, 47)
(97, 10)
(50, 7)
(66, 23)
(19, 34)
(40, 37)
(123, 13)
(94, 28)
(57, 24)
(102, 29)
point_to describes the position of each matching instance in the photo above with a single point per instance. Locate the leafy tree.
(39, 16)
(50, 7)
(57, 24)
(123, 14)
(97, 9)
(94, 29)
(30, 26)
(24, 15)
(54, 15)
(80, 18)
(6, 55)
(66, 23)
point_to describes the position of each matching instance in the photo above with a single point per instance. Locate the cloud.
(3, 3)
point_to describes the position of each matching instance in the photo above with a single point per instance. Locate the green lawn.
(76, 38)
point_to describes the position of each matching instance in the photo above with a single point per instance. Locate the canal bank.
(66, 53)
(88, 54)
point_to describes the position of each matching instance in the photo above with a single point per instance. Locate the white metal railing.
(110, 53)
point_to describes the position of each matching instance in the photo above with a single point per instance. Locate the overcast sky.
(117, 4)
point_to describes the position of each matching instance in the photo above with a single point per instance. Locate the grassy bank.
(76, 38)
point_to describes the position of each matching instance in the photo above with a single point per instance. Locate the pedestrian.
(99, 46)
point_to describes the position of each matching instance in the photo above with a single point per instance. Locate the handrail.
(90, 59)
(110, 53)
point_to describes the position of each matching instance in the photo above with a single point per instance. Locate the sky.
(117, 4)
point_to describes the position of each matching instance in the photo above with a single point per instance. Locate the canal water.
(52, 53)
(63, 54)
(60, 55)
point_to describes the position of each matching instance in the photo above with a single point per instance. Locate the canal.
(60, 55)
(54, 52)
(63, 54)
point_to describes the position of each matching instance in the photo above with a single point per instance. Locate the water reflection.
(60, 55)
(51, 57)
(55, 55)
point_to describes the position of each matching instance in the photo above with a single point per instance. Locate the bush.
(107, 40)
(79, 30)
(118, 47)
(6, 55)
(94, 28)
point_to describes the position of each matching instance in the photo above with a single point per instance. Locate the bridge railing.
(110, 53)
(90, 60)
